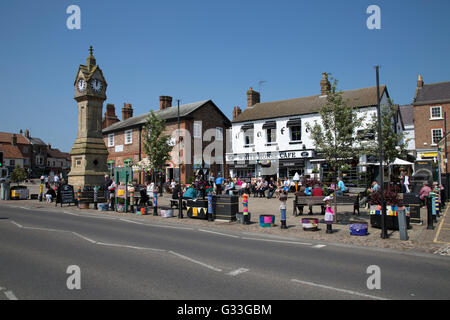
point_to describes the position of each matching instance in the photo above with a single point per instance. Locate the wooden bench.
(301, 201)
(348, 200)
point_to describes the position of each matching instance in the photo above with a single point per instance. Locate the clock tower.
(89, 154)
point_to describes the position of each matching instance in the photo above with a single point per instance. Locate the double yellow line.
(440, 228)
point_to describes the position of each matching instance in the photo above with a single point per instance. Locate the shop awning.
(270, 125)
(246, 127)
(294, 123)
(400, 162)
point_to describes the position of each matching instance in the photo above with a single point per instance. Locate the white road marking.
(279, 241)
(237, 271)
(222, 234)
(196, 261)
(10, 295)
(130, 221)
(85, 238)
(16, 224)
(129, 247)
(337, 289)
(318, 246)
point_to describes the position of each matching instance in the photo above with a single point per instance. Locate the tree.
(394, 143)
(335, 137)
(18, 174)
(157, 144)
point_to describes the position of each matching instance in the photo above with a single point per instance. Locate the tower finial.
(91, 50)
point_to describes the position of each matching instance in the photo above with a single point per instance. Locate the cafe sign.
(265, 156)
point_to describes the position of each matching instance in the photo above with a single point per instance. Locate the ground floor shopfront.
(270, 164)
(307, 164)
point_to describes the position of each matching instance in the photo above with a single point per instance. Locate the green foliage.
(18, 174)
(394, 143)
(156, 142)
(334, 137)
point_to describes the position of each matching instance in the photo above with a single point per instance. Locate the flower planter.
(310, 224)
(266, 221)
(359, 229)
(391, 220)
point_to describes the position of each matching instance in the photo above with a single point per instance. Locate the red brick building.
(126, 147)
(431, 103)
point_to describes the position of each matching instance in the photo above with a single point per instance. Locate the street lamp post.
(180, 194)
(447, 187)
(380, 146)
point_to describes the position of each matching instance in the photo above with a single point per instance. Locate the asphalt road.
(126, 258)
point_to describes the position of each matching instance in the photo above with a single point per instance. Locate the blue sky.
(197, 50)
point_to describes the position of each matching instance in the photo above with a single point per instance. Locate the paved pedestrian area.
(435, 241)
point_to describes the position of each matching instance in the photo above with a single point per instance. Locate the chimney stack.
(110, 116)
(14, 140)
(420, 82)
(127, 111)
(27, 134)
(324, 84)
(165, 102)
(236, 112)
(253, 97)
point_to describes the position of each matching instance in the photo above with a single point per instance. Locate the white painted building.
(271, 138)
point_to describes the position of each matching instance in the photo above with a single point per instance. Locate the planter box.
(102, 207)
(167, 213)
(359, 229)
(310, 224)
(266, 221)
(83, 205)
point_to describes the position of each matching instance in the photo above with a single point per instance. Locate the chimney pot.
(127, 111)
(253, 97)
(165, 102)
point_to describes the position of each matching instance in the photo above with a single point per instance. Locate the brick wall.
(210, 118)
(423, 125)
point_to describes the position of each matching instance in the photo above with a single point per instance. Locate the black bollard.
(429, 214)
(180, 206)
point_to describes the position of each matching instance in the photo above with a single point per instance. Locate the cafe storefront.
(268, 164)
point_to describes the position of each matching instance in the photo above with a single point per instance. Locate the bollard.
(132, 199)
(155, 203)
(429, 214)
(433, 205)
(41, 192)
(210, 206)
(180, 205)
(78, 197)
(96, 197)
(245, 208)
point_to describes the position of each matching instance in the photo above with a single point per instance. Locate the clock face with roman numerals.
(96, 85)
(81, 85)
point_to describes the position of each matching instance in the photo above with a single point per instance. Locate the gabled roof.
(11, 152)
(166, 114)
(307, 105)
(56, 153)
(6, 137)
(432, 94)
(407, 113)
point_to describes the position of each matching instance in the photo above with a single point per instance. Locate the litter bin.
(226, 207)
(19, 193)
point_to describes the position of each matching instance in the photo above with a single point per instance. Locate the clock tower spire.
(89, 153)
